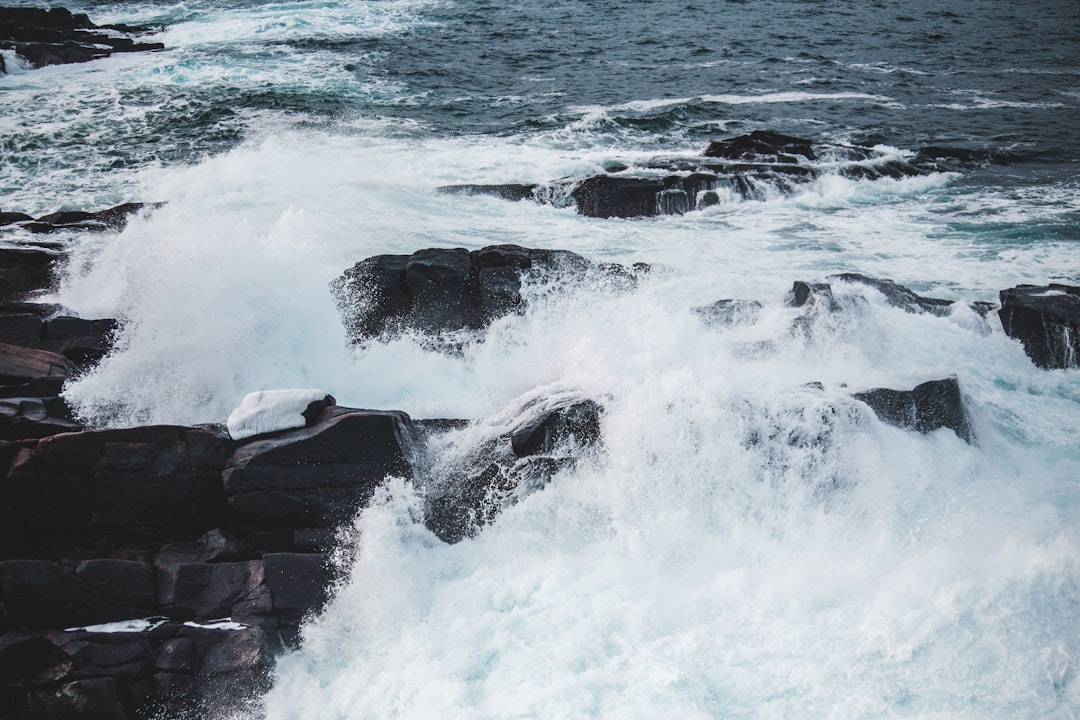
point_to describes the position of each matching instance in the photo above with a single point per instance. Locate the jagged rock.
(1046, 319)
(56, 36)
(898, 295)
(441, 291)
(317, 476)
(729, 313)
(927, 407)
(603, 196)
(541, 437)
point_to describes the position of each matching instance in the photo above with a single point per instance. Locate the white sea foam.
(266, 411)
(743, 546)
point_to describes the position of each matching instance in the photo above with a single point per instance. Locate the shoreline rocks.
(1046, 319)
(57, 37)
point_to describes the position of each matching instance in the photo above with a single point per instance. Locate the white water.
(685, 571)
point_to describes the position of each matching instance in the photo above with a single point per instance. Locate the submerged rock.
(441, 291)
(729, 312)
(762, 145)
(898, 295)
(1046, 319)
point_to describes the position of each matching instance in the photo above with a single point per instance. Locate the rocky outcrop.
(1046, 319)
(316, 477)
(493, 467)
(56, 36)
(445, 291)
(926, 407)
(754, 166)
(25, 270)
(114, 218)
(898, 295)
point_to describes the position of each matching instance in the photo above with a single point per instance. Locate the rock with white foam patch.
(268, 411)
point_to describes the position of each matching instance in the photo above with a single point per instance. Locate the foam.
(268, 411)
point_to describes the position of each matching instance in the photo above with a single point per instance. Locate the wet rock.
(473, 486)
(898, 295)
(56, 36)
(816, 296)
(126, 582)
(153, 480)
(762, 145)
(299, 582)
(114, 218)
(91, 699)
(927, 407)
(729, 313)
(317, 476)
(35, 417)
(42, 594)
(509, 191)
(445, 291)
(20, 364)
(1046, 319)
(602, 196)
(28, 657)
(24, 271)
(205, 591)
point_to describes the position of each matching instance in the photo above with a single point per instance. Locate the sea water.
(742, 544)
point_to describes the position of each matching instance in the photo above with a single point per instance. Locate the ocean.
(705, 562)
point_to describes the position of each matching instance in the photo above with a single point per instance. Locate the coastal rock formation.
(752, 166)
(1046, 319)
(317, 477)
(26, 270)
(114, 218)
(926, 407)
(56, 36)
(443, 291)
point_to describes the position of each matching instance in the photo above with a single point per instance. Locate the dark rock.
(250, 649)
(24, 271)
(298, 582)
(818, 296)
(927, 407)
(602, 196)
(154, 479)
(126, 582)
(468, 491)
(762, 145)
(27, 657)
(317, 476)
(729, 313)
(110, 655)
(34, 417)
(19, 364)
(9, 218)
(53, 37)
(177, 656)
(213, 546)
(443, 292)
(510, 191)
(114, 218)
(40, 594)
(206, 591)
(1046, 319)
(91, 699)
(898, 295)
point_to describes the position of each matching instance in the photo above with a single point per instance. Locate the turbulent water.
(709, 561)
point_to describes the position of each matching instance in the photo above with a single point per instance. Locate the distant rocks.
(1046, 319)
(57, 37)
(752, 166)
(445, 291)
